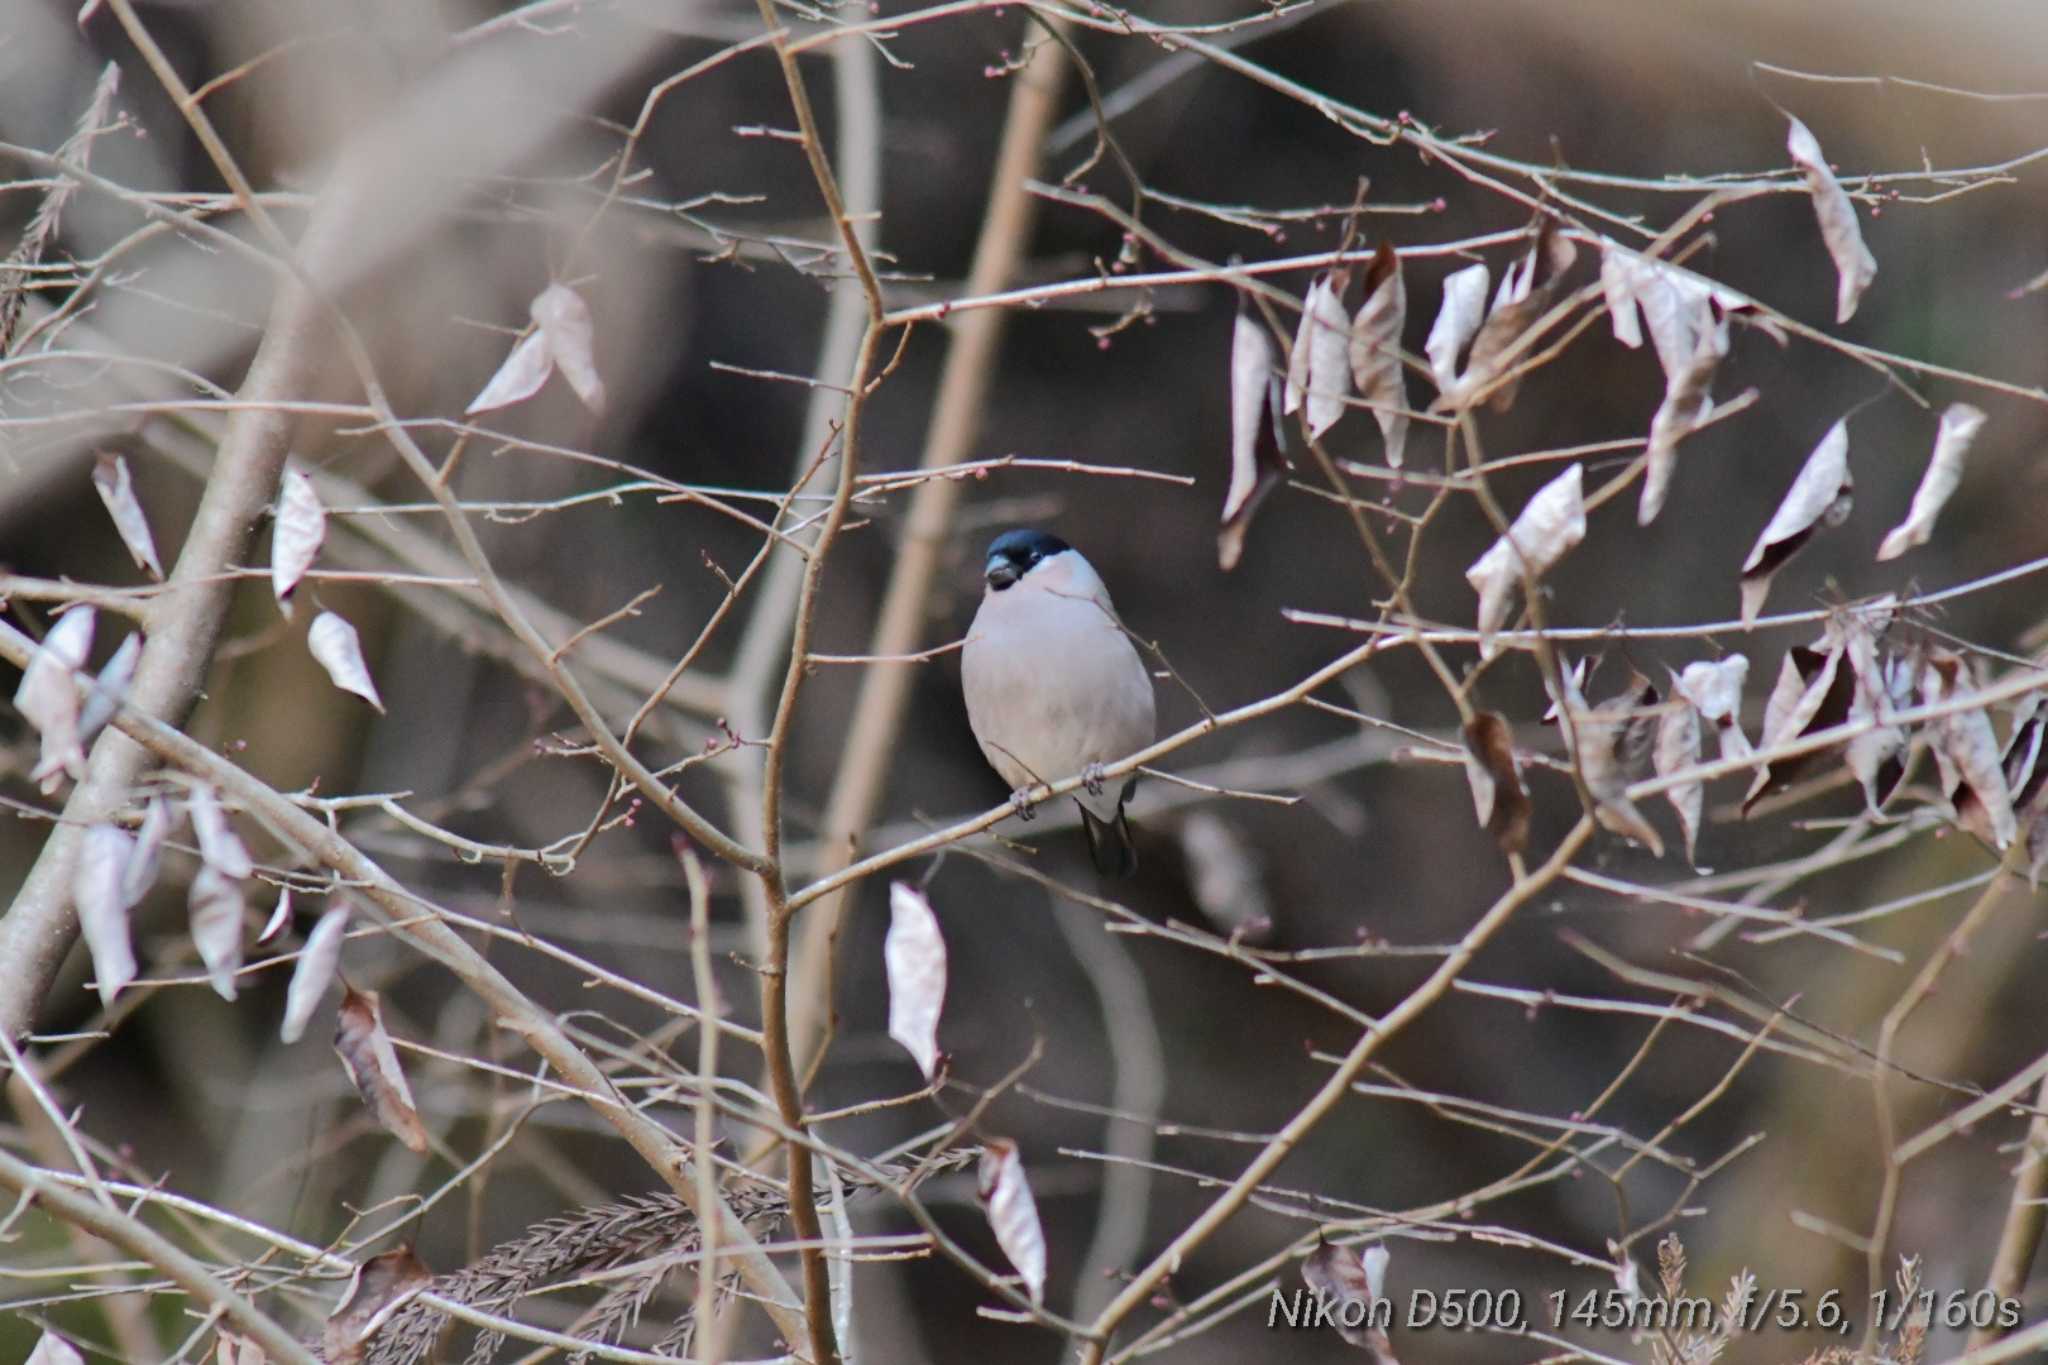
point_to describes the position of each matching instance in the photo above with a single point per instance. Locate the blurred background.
(709, 261)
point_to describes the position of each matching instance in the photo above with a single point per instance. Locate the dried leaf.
(1012, 1213)
(102, 913)
(1374, 350)
(52, 1349)
(1552, 522)
(109, 689)
(48, 696)
(1457, 320)
(915, 956)
(1687, 403)
(217, 908)
(117, 490)
(1678, 748)
(1966, 747)
(1820, 496)
(1959, 426)
(1499, 797)
(1873, 756)
(219, 846)
(1597, 741)
(1345, 1277)
(315, 970)
(1319, 369)
(335, 645)
(1527, 291)
(522, 376)
(140, 873)
(1226, 877)
(1258, 453)
(365, 1050)
(380, 1287)
(232, 1349)
(564, 319)
(1618, 290)
(1715, 690)
(299, 525)
(280, 918)
(1855, 267)
(1813, 692)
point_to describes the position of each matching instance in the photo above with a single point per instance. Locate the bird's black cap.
(1011, 554)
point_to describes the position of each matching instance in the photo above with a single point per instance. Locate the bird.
(1053, 685)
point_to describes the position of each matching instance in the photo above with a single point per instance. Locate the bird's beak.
(1001, 573)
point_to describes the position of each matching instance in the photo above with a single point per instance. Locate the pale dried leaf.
(1552, 522)
(1321, 351)
(1457, 320)
(299, 525)
(1687, 403)
(102, 913)
(1012, 1213)
(1351, 1282)
(1973, 768)
(564, 319)
(379, 1288)
(217, 908)
(109, 688)
(52, 1349)
(522, 376)
(1813, 692)
(1715, 690)
(1618, 291)
(1527, 291)
(117, 490)
(1820, 496)
(1596, 740)
(915, 955)
(219, 846)
(1678, 748)
(1499, 798)
(232, 1349)
(1374, 350)
(1226, 877)
(280, 917)
(1959, 426)
(335, 645)
(1258, 459)
(140, 873)
(48, 696)
(313, 973)
(372, 1062)
(1855, 267)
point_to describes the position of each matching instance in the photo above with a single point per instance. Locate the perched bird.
(1053, 685)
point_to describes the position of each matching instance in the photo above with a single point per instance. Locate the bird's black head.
(1013, 553)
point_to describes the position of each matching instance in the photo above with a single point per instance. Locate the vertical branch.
(2024, 1216)
(871, 737)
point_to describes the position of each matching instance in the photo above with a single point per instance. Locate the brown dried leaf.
(1352, 1282)
(336, 647)
(219, 846)
(1855, 267)
(365, 1050)
(1678, 748)
(232, 1349)
(1820, 496)
(1966, 748)
(314, 971)
(915, 955)
(1552, 522)
(217, 908)
(1013, 1214)
(1258, 453)
(1374, 350)
(102, 912)
(1596, 739)
(1527, 291)
(1457, 319)
(1499, 797)
(117, 490)
(299, 525)
(1960, 424)
(48, 697)
(1813, 692)
(1687, 403)
(380, 1287)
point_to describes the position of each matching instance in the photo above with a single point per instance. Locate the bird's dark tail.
(1109, 843)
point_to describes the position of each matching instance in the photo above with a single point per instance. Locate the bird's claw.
(1021, 799)
(1091, 778)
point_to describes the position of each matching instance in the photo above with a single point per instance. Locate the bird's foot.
(1091, 779)
(1021, 799)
